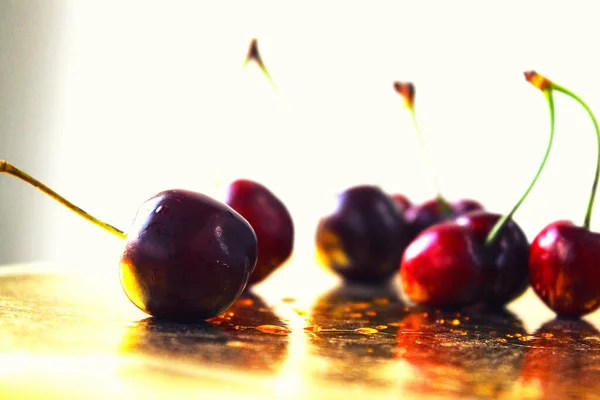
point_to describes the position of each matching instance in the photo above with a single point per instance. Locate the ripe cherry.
(504, 259)
(431, 212)
(186, 257)
(564, 257)
(479, 257)
(402, 202)
(363, 239)
(270, 220)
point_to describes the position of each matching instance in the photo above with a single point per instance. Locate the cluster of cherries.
(188, 256)
(455, 255)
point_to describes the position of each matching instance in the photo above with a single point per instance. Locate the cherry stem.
(10, 169)
(407, 91)
(254, 55)
(588, 213)
(497, 228)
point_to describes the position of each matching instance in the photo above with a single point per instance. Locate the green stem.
(494, 233)
(10, 169)
(407, 91)
(446, 208)
(588, 213)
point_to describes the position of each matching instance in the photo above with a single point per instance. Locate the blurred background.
(110, 102)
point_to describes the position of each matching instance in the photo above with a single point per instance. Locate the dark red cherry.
(464, 206)
(187, 256)
(422, 216)
(364, 238)
(443, 267)
(271, 221)
(402, 201)
(450, 265)
(434, 211)
(564, 268)
(505, 260)
(564, 258)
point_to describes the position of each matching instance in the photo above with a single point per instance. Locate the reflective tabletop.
(73, 335)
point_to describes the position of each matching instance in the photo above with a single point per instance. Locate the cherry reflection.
(228, 340)
(350, 336)
(562, 363)
(461, 355)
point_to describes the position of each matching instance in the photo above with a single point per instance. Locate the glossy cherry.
(450, 265)
(363, 239)
(505, 260)
(187, 256)
(444, 268)
(270, 220)
(478, 258)
(564, 259)
(564, 268)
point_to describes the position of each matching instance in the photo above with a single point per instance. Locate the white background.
(127, 98)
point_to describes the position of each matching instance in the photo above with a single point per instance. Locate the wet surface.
(65, 335)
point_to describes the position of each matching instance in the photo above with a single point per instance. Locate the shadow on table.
(229, 340)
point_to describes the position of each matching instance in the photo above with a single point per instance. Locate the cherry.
(464, 206)
(363, 239)
(402, 202)
(479, 257)
(564, 257)
(443, 267)
(505, 259)
(186, 257)
(431, 212)
(270, 220)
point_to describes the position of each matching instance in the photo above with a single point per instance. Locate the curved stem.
(495, 231)
(10, 169)
(407, 91)
(254, 55)
(588, 213)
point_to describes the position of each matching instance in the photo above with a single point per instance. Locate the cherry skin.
(442, 267)
(187, 256)
(505, 260)
(432, 212)
(464, 206)
(564, 268)
(449, 265)
(363, 240)
(402, 202)
(271, 222)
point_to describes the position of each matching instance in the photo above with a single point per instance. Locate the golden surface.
(65, 334)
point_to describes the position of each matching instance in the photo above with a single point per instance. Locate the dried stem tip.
(537, 80)
(407, 91)
(253, 54)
